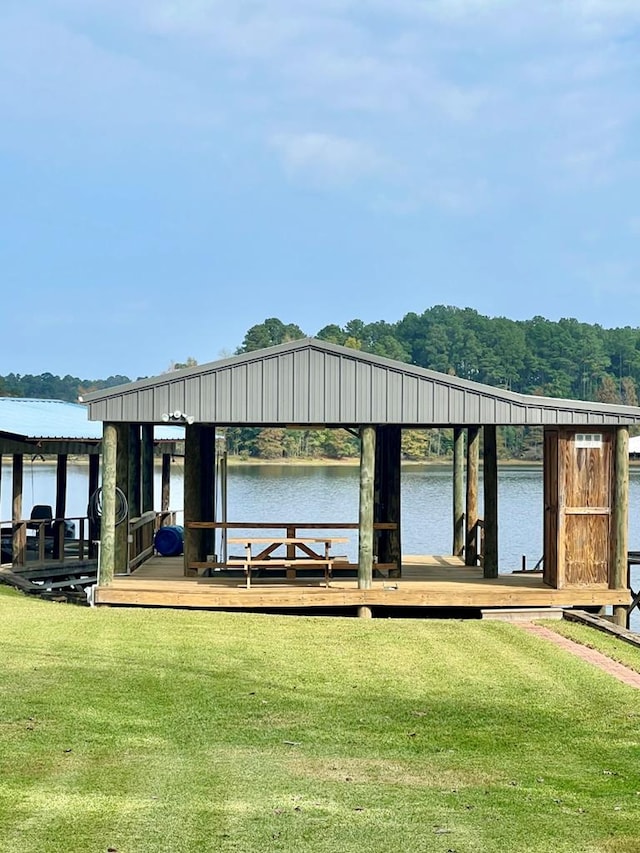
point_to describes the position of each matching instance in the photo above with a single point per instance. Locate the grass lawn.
(158, 730)
(616, 649)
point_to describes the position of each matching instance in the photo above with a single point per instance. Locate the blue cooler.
(168, 541)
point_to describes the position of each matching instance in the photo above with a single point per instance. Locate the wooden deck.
(426, 581)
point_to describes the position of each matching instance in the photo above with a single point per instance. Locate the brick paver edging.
(612, 667)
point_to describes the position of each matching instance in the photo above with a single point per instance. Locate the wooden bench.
(264, 558)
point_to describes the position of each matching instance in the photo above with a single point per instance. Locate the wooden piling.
(208, 490)
(365, 538)
(458, 492)
(490, 478)
(106, 567)
(619, 522)
(193, 551)
(135, 471)
(473, 465)
(61, 504)
(19, 530)
(122, 482)
(165, 496)
(387, 498)
(94, 524)
(147, 468)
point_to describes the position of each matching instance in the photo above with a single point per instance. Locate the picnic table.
(301, 552)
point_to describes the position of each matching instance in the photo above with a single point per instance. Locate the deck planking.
(427, 581)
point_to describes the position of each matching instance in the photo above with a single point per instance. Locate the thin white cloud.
(611, 278)
(322, 159)
(50, 72)
(490, 88)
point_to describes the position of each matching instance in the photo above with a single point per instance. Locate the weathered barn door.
(578, 507)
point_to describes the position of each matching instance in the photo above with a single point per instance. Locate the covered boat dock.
(310, 383)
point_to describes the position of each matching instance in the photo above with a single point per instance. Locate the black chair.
(42, 512)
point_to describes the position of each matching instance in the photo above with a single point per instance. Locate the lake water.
(329, 493)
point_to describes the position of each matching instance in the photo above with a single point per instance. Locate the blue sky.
(175, 171)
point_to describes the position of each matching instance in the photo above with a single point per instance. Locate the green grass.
(150, 730)
(609, 645)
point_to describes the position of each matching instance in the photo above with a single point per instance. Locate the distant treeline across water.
(566, 358)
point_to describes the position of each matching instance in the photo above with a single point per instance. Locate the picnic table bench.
(302, 552)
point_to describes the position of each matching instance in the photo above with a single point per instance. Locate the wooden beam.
(490, 478)
(473, 465)
(619, 521)
(365, 536)
(19, 530)
(106, 568)
(458, 492)
(147, 468)
(30, 447)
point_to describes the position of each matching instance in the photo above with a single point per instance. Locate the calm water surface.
(329, 493)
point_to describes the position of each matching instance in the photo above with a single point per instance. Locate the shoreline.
(307, 462)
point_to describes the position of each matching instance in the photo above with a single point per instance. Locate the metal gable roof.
(58, 420)
(46, 419)
(312, 382)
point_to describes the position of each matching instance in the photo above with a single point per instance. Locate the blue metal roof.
(57, 419)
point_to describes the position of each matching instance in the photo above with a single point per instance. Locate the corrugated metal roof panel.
(47, 419)
(314, 382)
(58, 419)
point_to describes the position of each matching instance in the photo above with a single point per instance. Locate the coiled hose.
(94, 510)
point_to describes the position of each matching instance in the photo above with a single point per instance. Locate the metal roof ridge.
(365, 357)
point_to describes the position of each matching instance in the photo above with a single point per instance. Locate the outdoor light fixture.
(178, 416)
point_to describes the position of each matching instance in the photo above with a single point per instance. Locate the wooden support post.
(135, 471)
(61, 505)
(473, 464)
(387, 498)
(122, 482)
(108, 519)
(193, 482)
(147, 468)
(365, 537)
(19, 530)
(208, 491)
(458, 492)
(165, 496)
(94, 482)
(490, 477)
(619, 522)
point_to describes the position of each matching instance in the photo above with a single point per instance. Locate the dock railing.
(48, 542)
(142, 531)
(33, 542)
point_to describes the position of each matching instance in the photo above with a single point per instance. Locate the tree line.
(538, 356)
(564, 358)
(46, 386)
